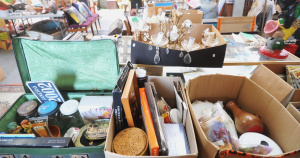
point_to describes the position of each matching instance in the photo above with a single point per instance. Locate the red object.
(292, 48)
(256, 129)
(271, 27)
(278, 54)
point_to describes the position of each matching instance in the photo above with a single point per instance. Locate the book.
(176, 139)
(153, 144)
(152, 101)
(131, 101)
(68, 36)
(248, 37)
(289, 76)
(296, 76)
(120, 121)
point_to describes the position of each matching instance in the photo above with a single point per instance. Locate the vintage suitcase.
(78, 68)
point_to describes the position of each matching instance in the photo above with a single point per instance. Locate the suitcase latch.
(80, 156)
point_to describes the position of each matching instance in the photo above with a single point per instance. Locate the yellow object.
(4, 36)
(288, 32)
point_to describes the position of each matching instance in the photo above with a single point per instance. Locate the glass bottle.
(50, 109)
(70, 116)
(26, 110)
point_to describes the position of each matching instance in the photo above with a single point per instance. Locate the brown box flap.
(292, 108)
(2, 76)
(273, 84)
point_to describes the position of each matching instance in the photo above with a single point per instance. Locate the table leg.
(14, 27)
(24, 29)
(96, 25)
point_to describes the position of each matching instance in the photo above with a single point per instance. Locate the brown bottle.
(244, 121)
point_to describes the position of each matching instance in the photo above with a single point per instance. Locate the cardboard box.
(273, 84)
(195, 16)
(279, 125)
(2, 75)
(164, 87)
(209, 57)
(164, 6)
(293, 109)
(151, 9)
(279, 69)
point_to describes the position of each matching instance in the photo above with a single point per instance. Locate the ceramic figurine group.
(282, 29)
(172, 34)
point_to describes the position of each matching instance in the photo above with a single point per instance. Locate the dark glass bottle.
(50, 109)
(70, 116)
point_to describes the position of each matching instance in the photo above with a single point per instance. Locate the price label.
(45, 91)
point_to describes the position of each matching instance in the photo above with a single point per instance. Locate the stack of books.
(293, 75)
(77, 36)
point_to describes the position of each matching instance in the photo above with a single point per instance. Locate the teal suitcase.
(78, 68)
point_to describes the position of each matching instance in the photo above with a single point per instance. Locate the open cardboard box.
(293, 109)
(195, 16)
(273, 84)
(279, 124)
(278, 69)
(164, 87)
(143, 53)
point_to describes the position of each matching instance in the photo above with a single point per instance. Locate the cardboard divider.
(143, 53)
(279, 125)
(279, 68)
(272, 83)
(293, 109)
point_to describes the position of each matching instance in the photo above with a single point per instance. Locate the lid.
(47, 108)
(12, 126)
(95, 71)
(27, 108)
(140, 73)
(69, 107)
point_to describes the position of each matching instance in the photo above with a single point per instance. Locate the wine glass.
(159, 40)
(189, 45)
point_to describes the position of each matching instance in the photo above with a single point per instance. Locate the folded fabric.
(75, 15)
(87, 9)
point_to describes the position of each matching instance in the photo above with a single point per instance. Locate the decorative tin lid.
(69, 107)
(27, 108)
(47, 108)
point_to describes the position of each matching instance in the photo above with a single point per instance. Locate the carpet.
(8, 95)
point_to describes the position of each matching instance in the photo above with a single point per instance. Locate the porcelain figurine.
(279, 31)
(209, 38)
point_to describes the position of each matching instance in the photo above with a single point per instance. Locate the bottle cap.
(47, 108)
(140, 73)
(27, 108)
(69, 107)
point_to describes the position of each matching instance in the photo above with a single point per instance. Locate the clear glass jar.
(50, 109)
(26, 110)
(70, 116)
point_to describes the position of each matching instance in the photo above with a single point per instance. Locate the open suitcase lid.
(71, 65)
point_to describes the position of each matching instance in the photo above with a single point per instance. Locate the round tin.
(27, 108)
(47, 108)
(131, 142)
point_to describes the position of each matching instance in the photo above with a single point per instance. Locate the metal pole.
(262, 25)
